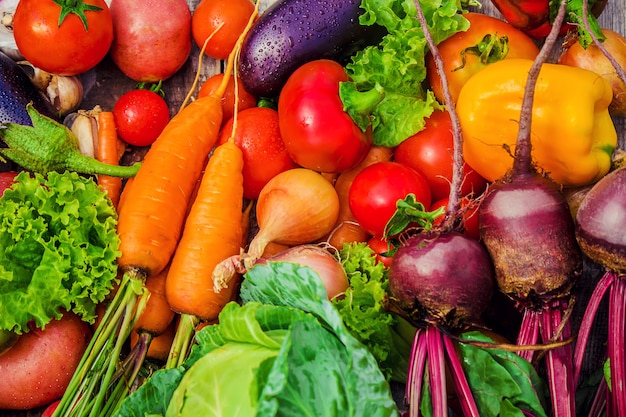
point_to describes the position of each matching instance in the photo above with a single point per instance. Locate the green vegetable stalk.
(50, 146)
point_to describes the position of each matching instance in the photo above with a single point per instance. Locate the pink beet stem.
(616, 353)
(587, 321)
(528, 334)
(463, 390)
(558, 362)
(417, 363)
(437, 372)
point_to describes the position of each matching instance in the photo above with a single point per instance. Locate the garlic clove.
(84, 125)
(65, 93)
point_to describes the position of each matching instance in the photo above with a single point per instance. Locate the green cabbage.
(58, 249)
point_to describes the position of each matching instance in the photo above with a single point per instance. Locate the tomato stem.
(78, 7)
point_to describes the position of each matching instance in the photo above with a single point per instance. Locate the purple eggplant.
(292, 32)
(17, 90)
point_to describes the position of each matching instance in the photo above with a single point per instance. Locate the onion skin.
(526, 225)
(321, 261)
(445, 278)
(601, 221)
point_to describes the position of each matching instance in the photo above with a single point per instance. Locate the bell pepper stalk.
(572, 134)
(535, 17)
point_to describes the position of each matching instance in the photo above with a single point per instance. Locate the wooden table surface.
(105, 84)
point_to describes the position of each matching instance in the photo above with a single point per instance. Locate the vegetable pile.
(307, 207)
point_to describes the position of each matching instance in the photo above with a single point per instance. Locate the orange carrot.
(150, 224)
(347, 228)
(157, 315)
(158, 346)
(212, 233)
(107, 151)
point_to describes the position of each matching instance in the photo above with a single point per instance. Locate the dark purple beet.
(292, 32)
(526, 225)
(445, 278)
(601, 222)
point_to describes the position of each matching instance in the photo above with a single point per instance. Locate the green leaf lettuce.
(58, 249)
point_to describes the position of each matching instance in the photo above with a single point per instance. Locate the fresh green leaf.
(153, 397)
(58, 249)
(500, 379)
(363, 313)
(299, 287)
(396, 69)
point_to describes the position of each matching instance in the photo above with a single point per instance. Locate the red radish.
(526, 224)
(440, 280)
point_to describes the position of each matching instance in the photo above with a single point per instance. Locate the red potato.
(152, 38)
(38, 368)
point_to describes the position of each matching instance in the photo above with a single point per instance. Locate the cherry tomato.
(430, 152)
(71, 48)
(382, 248)
(245, 101)
(377, 188)
(466, 53)
(140, 116)
(206, 21)
(470, 215)
(318, 133)
(6, 180)
(264, 153)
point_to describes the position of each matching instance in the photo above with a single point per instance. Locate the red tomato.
(206, 21)
(318, 134)
(49, 410)
(140, 116)
(430, 152)
(69, 48)
(6, 180)
(381, 247)
(470, 215)
(376, 189)
(264, 153)
(245, 101)
(466, 53)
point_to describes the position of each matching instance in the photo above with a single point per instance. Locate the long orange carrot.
(107, 151)
(150, 225)
(212, 233)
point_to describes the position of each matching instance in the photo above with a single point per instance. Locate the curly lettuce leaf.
(362, 310)
(58, 249)
(395, 69)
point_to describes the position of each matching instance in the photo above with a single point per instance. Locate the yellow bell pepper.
(573, 136)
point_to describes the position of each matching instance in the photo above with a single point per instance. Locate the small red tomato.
(382, 249)
(140, 116)
(318, 133)
(469, 206)
(376, 190)
(264, 153)
(430, 152)
(245, 99)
